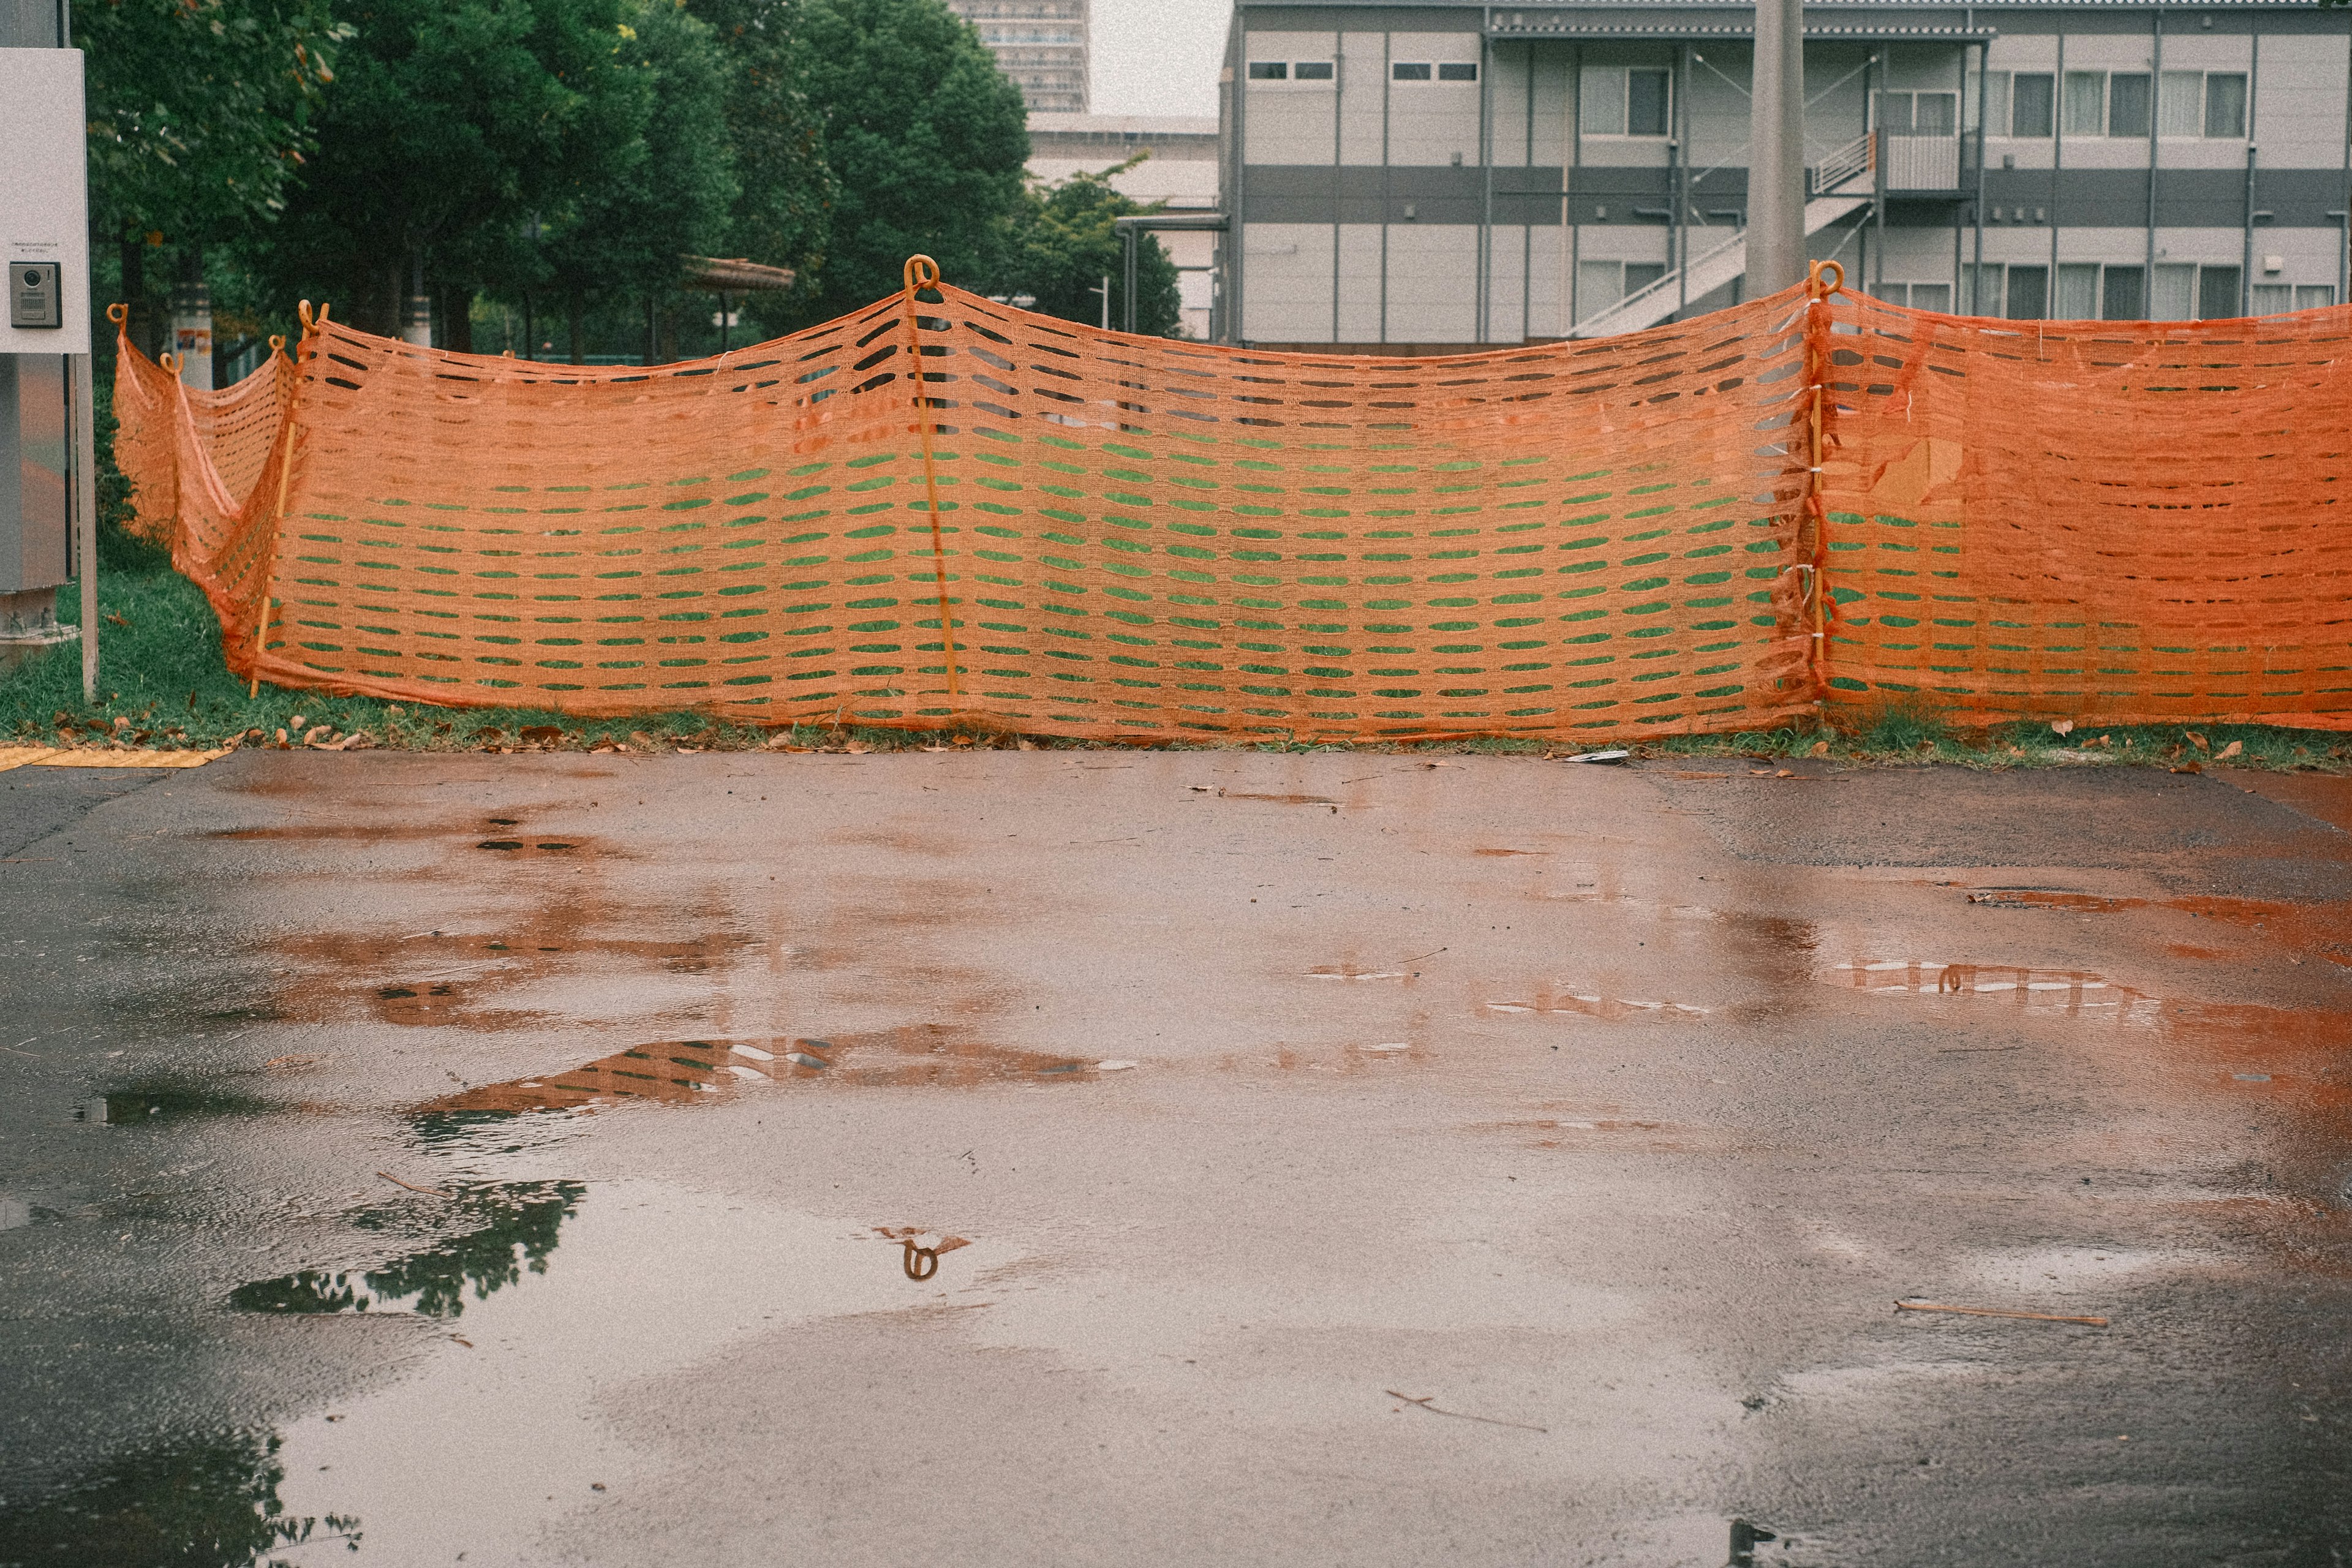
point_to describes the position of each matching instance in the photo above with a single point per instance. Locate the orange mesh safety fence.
(234, 428)
(2122, 521)
(1134, 536)
(1082, 532)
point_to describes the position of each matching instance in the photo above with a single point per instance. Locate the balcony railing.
(1920, 163)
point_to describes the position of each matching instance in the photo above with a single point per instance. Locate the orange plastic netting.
(1142, 537)
(234, 428)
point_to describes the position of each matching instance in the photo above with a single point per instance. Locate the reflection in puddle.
(693, 1072)
(504, 1231)
(1601, 1133)
(2314, 927)
(205, 1500)
(1593, 1005)
(457, 1455)
(147, 1106)
(2072, 993)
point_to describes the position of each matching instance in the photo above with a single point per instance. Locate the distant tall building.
(1040, 44)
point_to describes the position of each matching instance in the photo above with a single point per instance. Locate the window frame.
(1289, 77)
(1625, 102)
(2049, 104)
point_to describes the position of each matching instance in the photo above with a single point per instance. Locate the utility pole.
(1105, 292)
(1776, 139)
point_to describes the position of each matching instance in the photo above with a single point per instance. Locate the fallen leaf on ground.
(857, 748)
(2198, 740)
(1820, 748)
(2063, 727)
(2231, 749)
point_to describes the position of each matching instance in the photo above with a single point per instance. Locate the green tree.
(621, 234)
(785, 192)
(453, 125)
(925, 137)
(198, 114)
(1063, 246)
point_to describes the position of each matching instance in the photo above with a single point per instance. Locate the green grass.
(162, 675)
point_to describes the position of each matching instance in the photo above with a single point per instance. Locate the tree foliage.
(199, 109)
(623, 234)
(1063, 245)
(925, 137)
(453, 124)
(784, 189)
(560, 155)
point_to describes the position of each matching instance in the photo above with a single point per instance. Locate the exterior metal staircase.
(1844, 181)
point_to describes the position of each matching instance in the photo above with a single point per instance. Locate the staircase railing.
(1858, 156)
(1659, 285)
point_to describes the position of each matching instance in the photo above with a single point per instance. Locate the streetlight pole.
(1776, 179)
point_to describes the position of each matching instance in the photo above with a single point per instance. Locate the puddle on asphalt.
(208, 1501)
(1596, 1004)
(490, 1236)
(695, 1072)
(1600, 1134)
(2323, 928)
(447, 977)
(537, 1304)
(154, 1107)
(2075, 994)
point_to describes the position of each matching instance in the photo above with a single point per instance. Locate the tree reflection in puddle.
(500, 1232)
(207, 1501)
(689, 1072)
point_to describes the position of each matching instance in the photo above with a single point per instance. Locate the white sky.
(1158, 57)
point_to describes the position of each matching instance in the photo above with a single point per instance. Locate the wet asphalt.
(1101, 1157)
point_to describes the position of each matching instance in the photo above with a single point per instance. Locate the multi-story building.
(1179, 171)
(1429, 175)
(1040, 44)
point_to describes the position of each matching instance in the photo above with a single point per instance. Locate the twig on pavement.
(1423, 1404)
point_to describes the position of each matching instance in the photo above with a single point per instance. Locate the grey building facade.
(1415, 177)
(1040, 44)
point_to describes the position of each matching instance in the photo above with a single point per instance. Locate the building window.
(2225, 104)
(1269, 70)
(1310, 70)
(2100, 103)
(2089, 290)
(1623, 101)
(2202, 103)
(2122, 293)
(2218, 294)
(2029, 94)
(1465, 71)
(2130, 104)
(1918, 113)
(1290, 70)
(1601, 285)
(1406, 70)
(1937, 297)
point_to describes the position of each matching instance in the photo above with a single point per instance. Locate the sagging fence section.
(942, 507)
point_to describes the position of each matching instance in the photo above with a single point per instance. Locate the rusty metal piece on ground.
(915, 1256)
(412, 1186)
(1996, 1313)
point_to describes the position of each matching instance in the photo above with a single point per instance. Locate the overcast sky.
(1158, 57)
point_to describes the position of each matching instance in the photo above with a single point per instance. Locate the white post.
(191, 323)
(1776, 179)
(81, 383)
(416, 310)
